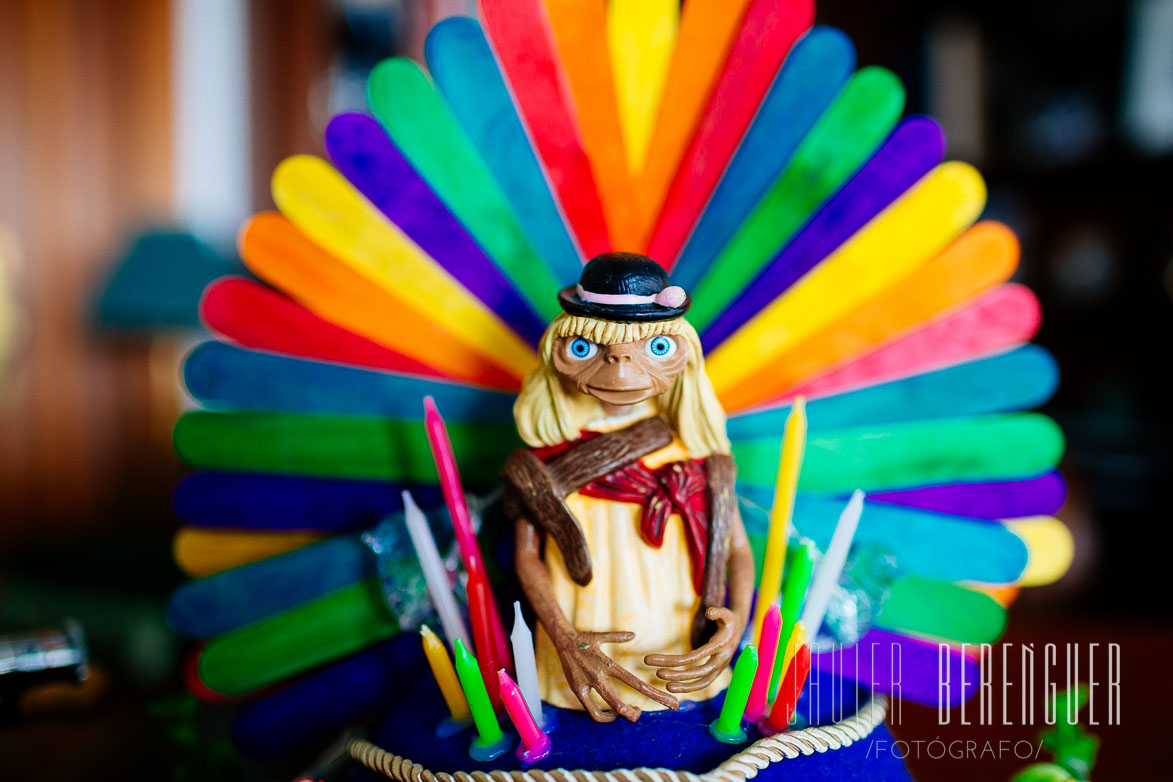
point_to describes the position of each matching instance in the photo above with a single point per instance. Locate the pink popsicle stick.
(757, 707)
(466, 538)
(768, 31)
(524, 43)
(1007, 316)
(535, 744)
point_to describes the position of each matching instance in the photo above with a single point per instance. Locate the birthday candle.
(445, 674)
(793, 644)
(479, 607)
(757, 705)
(488, 731)
(434, 572)
(792, 596)
(454, 498)
(523, 659)
(792, 686)
(793, 444)
(535, 744)
(832, 565)
(727, 727)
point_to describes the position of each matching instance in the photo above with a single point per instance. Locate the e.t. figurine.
(627, 525)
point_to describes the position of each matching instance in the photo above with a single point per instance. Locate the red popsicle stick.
(257, 317)
(524, 43)
(767, 33)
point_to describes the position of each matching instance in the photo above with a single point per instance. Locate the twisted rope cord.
(742, 766)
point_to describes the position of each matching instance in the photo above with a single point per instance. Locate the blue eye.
(662, 346)
(581, 349)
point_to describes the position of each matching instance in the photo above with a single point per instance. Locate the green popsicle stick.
(297, 640)
(338, 446)
(942, 610)
(843, 139)
(921, 453)
(422, 126)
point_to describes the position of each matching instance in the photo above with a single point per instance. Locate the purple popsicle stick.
(369, 159)
(913, 149)
(1041, 496)
(906, 667)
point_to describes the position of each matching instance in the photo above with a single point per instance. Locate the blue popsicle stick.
(1021, 379)
(931, 545)
(466, 75)
(813, 74)
(224, 376)
(325, 702)
(362, 152)
(207, 607)
(913, 149)
(232, 599)
(281, 502)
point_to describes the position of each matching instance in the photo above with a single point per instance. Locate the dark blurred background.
(125, 117)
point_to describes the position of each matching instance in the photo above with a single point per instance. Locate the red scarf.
(678, 487)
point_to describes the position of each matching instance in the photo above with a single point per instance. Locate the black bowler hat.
(624, 287)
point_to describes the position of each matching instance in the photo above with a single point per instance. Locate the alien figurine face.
(624, 374)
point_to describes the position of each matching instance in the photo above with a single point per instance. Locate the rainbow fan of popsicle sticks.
(640, 37)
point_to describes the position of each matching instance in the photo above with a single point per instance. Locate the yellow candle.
(793, 445)
(445, 674)
(797, 639)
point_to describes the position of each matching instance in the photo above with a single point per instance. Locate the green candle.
(793, 592)
(489, 734)
(727, 727)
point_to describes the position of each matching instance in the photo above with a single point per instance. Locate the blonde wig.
(549, 411)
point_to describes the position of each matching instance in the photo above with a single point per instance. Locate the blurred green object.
(1073, 747)
(156, 284)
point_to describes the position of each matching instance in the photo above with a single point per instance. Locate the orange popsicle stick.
(277, 252)
(979, 259)
(707, 29)
(580, 34)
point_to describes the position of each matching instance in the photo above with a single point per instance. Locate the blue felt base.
(678, 740)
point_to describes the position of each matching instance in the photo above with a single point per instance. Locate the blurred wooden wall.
(85, 156)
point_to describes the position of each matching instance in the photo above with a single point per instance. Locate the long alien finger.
(642, 687)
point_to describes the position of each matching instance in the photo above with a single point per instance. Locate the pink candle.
(757, 707)
(466, 539)
(535, 744)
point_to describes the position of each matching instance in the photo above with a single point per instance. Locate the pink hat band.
(672, 296)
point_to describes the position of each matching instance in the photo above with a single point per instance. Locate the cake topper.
(628, 481)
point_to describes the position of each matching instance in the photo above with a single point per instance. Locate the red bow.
(679, 487)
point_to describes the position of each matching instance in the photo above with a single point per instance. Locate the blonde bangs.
(609, 332)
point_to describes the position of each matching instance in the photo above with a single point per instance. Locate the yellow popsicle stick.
(894, 244)
(1050, 547)
(640, 37)
(203, 552)
(789, 466)
(981, 258)
(319, 201)
(707, 30)
(580, 34)
(445, 673)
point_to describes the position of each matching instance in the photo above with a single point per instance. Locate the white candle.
(434, 572)
(523, 660)
(827, 576)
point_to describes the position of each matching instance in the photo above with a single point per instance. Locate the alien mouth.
(619, 390)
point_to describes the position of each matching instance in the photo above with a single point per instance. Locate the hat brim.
(620, 313)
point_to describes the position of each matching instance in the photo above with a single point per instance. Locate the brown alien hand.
(588, 668)
(718, 651)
